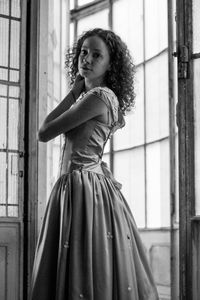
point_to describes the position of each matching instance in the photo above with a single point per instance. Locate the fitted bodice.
(84, 145)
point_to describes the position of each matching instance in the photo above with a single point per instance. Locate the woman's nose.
(88, 59)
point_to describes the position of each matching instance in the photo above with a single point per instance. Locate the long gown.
(89, 246)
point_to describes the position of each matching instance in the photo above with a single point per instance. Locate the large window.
(139, 153)
(142, 154)
(10, 109)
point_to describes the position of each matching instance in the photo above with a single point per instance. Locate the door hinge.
(183, 62)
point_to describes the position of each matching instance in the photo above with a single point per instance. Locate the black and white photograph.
(99, 149)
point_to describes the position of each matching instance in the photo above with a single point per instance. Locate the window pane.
(71, 3)
(14, 48)
(3, 74)
(129, 170)
(3, 122)
(4, 7)
(71, 34)
(99, 19)
(106, 158)
(13, 178)
(127, 16)
(4, 42)
(107, 147)
(13, 211)
(83, 2)
(14, 91)
(197, 132)
(157, 106)
(133, 133)
(15, 8)
(3, 167)
(158, 189)
(196, 26)
(14, 76)
(3, 90)
(13, 124)
(156, 37)
(2, 211)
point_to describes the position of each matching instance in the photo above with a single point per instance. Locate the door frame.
(185, 120)
(30, 138)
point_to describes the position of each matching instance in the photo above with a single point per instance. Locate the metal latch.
(183, 61)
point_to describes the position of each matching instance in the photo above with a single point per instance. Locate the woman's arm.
(68, 100)
(55, 124)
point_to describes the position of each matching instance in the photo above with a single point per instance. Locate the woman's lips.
(85, 68)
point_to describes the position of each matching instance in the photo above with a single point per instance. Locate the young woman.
(89, 247)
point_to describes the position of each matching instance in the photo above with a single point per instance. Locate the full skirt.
(89, 246)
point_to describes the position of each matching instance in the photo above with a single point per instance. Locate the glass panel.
(3, 74)
(14, 47)
(14, 91)
(107, 147)
(13, 211)
(2, 211)
(133, 133)
(56, 15)
(71, 4)
(15, 8)
(129, 170)
(13, 178)
(3, 167)
(106, 158)
(3, 122)
(71, 34)
(156, 37)
(196, 26)
(197, 132)
(14, 76)
(4, 42)
(83, 2)
(99, 19)
(13, 124)
(4, 7)
(127, 16)
(157, 102)
(158, 189)
(3, 90)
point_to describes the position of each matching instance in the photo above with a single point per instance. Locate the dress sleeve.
(101, 94)
(111, 101)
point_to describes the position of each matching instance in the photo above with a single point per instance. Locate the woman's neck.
(90, 85)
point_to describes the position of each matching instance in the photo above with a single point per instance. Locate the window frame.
(83, 11)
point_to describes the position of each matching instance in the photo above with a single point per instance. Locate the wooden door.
(12, 70)
(188, 112)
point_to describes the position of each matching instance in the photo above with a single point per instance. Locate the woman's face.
(94, 60)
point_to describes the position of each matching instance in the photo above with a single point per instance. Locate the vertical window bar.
(7, 106)
(110, 23)
(145, 155)
(110, 14)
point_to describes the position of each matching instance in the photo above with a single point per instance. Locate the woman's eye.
(96, 55)
(83, 52)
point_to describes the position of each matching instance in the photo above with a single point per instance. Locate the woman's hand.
(78, 86)
(67, 102)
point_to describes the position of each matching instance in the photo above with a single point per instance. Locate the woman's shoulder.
(105, 94)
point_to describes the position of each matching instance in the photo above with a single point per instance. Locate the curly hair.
(120, 76)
